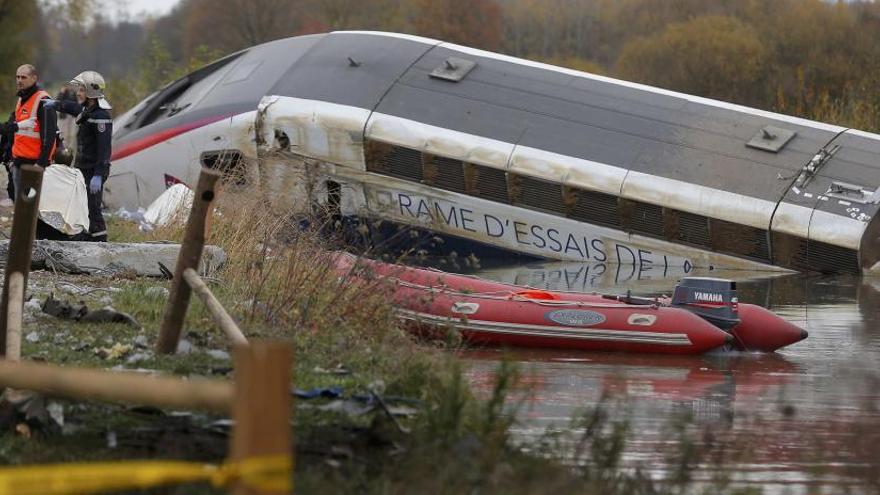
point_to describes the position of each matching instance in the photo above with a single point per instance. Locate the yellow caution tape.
(272, 474)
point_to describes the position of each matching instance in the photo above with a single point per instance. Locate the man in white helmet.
(95, 126)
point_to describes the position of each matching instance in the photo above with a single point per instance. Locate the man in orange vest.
(34, 127)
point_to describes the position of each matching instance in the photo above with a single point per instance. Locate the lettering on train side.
(466, 219)
(494, 226)
(520, 233)
(554, 240)
(448, 218)
(537, 232)
(625, 254)
(423, 210)
(599, 246)
(571, 244)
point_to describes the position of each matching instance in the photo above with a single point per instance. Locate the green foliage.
(16, 21)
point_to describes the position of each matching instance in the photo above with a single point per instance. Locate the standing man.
(34, 125)
(95, 125)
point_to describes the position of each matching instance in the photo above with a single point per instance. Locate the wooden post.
(117, 386)
(21, 244)
(189, 257)
(13, 320)
(218, 313)
(261, 406)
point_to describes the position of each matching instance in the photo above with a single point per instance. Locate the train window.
(182, 93)
(241, 72)
(125, 121)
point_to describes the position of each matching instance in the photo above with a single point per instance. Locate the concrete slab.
(109, 258)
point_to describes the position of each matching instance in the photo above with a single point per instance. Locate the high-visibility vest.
(26, 143)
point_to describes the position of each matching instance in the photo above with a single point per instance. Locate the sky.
(134, 8)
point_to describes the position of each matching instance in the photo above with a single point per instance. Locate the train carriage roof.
(568, 112)
(626, 125)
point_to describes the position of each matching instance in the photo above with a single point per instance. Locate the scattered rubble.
(340, 369)
(360, 404)
(81, 313)
(185, 347)
(157, 292)
(29, 411)
(114, 352)
(218, 354)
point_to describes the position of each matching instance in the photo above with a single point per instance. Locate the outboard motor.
(713, 299)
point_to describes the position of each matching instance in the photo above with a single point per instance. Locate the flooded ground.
(806, 416)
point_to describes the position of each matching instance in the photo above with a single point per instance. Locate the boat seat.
(536, 294)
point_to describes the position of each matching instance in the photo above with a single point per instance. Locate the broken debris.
(117, 351)
(172, 205)
(28, 411)
(80, 312)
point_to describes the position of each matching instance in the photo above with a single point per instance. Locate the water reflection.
(556, 383)
(590, 277)
(812, 407)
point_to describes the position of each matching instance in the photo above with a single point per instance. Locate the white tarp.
(64, 202)
(173, 204)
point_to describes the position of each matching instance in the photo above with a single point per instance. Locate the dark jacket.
(66, 94)
(7, 134)
(92, 137)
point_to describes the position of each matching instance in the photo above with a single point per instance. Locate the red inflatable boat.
(702, 315)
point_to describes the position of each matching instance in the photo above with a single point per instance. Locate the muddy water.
(805, 418)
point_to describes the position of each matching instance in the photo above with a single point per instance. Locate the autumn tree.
(713, 56)
(230, 25)
(332, 15)
(538, 29)
(474, 23)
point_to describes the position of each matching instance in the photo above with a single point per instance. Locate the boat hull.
(493, 313)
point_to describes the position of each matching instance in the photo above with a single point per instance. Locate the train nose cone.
(762, 330)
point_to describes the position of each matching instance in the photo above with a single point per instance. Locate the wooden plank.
(261, 408)
(13, 319)
(111, 386)
(190, 255)
(218, 313)
(24, 225)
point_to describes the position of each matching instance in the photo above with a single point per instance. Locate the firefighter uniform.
(94, 129)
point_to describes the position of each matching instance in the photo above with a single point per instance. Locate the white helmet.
(93, 84)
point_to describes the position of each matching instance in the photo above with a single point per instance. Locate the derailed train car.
(491, 151)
